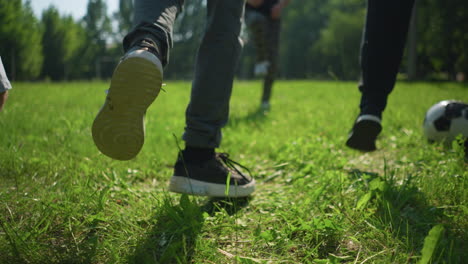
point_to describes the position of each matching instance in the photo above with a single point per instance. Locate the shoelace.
(232, 164)
(151, 46)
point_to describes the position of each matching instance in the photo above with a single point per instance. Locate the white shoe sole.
(186, 185)
(118, 129)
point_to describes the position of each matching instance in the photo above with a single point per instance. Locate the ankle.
(196, 154)
(370, 117)
(147, 43)
(373, 113)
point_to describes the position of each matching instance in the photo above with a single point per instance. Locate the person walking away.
(263, 20)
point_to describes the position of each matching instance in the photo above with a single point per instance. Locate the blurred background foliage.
(319, 40)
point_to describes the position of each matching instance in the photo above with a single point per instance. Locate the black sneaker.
(364, 133)
(209, 178)
(118, 129)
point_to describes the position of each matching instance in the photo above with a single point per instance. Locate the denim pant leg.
(216, 62)
(382, 49)
(154, 19)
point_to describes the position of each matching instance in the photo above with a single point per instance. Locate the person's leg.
(273, 37)
(199, 170)
(118, 129)
(257, 25)
(382, 49)
(216, 62)
(154, 20)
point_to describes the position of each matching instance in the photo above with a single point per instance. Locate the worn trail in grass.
(316, 201)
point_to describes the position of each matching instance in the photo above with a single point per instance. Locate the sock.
(374, 113)
(149, 42)
(195, 154)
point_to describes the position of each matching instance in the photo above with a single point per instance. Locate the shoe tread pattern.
(118, 130)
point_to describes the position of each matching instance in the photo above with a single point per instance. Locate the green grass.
(316, 201)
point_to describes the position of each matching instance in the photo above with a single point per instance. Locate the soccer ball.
(446, 120)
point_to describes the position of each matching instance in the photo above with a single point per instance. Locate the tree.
(124, 17)
(188, 30)
(52, 48)
(339, 43)
(75, 42)
(443, 37)
(20, 40)
(301, 25)
(61, 41)
(98, 31)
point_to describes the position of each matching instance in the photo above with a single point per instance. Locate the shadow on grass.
(404, 212)
(257, 116)
(55, 243)
(177, 228)
(230, 205)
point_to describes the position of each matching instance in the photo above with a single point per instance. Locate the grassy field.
(316, 201)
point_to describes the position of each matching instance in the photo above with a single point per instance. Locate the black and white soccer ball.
(445, 121)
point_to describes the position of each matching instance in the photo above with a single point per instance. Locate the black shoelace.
(151, 46)
(224, 157)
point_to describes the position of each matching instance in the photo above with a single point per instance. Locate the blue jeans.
(216, 61)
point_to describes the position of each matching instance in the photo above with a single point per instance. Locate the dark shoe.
(209, 178)
(364, 133)
(118, 129)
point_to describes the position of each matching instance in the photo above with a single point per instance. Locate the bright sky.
(76, 8)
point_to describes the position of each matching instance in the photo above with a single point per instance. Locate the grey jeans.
(217, 58)
(4, 82)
